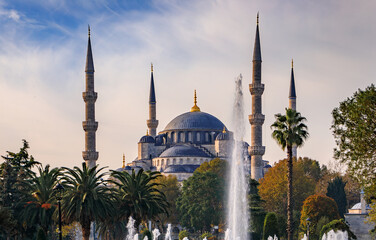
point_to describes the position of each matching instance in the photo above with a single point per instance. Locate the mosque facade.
(190, 139)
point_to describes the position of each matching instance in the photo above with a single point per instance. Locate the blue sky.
(201, 45)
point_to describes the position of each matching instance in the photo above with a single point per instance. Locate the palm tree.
(87, 198)
(288, 131)
(139, 196)
(39, 201)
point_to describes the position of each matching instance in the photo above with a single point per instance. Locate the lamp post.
(59, 189)
(308, 222)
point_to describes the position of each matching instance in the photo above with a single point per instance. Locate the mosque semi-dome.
(147, 139)
(195, 120)
(183, 151)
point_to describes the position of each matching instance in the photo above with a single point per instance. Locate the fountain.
(238, 217)
(146, 238)
(335, 235)
(131, 230)
(272, 238)
(185, 238)
(156, 234)
(168, 233)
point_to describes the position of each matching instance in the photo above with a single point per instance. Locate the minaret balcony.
(256, 119)
(152, 123)
(256, 150)
(89, 96)
(90, 125)
(256, 89)
(89, 155)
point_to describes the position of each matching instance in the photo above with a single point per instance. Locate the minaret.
(292, 100)
(90, 155)
(256, 119)
(152, 122)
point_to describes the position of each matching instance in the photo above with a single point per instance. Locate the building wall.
(358, 225)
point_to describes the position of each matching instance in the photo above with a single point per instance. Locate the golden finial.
(195, 108)
(88, 28)
(123, 161)
(147, 132)
(257, 18)
(292, 63)
(224, 130)
(151, 67)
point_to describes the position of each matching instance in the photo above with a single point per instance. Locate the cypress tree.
(336, 190)
(270, 226)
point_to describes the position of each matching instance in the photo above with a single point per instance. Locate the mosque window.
(181, 137)
(189, 136)
(198, 136)
(162, 162)
(174, 161)
(158, 162)
(206, 137)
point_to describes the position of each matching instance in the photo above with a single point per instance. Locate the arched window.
(198, 136)
(206, 137)
(190, 137)
(181, 137)
(162, 162)
(173, 137)
(158, 162)
(174, 161)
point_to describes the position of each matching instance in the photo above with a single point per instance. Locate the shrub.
(183, 234)
(207, 235)
(270, 225)
(337, 225)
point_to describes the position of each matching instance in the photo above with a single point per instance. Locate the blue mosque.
(190, 139)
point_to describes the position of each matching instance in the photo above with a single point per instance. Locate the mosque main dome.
(195, 120)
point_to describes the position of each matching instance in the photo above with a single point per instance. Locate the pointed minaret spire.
(123, 161)
(90, 155)
(292, 100)
(152, 122)
(256, 119)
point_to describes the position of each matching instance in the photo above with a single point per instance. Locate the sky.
(202, 45)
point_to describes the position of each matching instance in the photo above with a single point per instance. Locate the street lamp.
(308, 222)
(59, 189)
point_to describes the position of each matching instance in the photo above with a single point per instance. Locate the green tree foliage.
(273, 187)
(169, 186)
(336, 190)
(13, 171)
(354, 125)
(183, 234)
(256, 209)
(336, 225)
(87, 198)
(289, 130)
(201, 202)
(320, 224)
(270, 226)
(7, 222)
(39, 202)
(315, 207)
(138, 195)
(217, 166)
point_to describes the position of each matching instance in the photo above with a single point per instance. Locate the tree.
(315, 207)
(139, 195)
(273, 187)
(256, 210)
(87, 198)
(270, 226)
(169, 186)
(217, 166)
(288, 131)
(353, 128)
(201, 201)
(336, 190)
(39, 202)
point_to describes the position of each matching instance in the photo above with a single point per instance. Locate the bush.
(270, 225)
(183, 234)
(146, 233)
(337, 225)
(320, 224)
(207, 235)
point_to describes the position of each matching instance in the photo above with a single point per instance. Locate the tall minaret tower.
(256, 119)
(90, 155)
(292, 100)
(152, 122)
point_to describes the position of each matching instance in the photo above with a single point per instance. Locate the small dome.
(358, 206)
(189, 168)
(184, 151)
(268, 166)
(147, 139)
(195, 120)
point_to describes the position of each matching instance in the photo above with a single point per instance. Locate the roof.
(147, 139)
(183, 151)
(292, 93)
(189, 168)
(358, 206)
(195, 120)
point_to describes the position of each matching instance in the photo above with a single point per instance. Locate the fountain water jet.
(238, 217)
(131, 229)
(156, 234)
(168, 233)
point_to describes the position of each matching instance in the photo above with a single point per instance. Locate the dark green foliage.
(183, 234)
(270, 226)
(320, 224)
(201, 202)
(336, 190)
(339, 224)
(41, 235)
(146, 233)
(257, 212)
